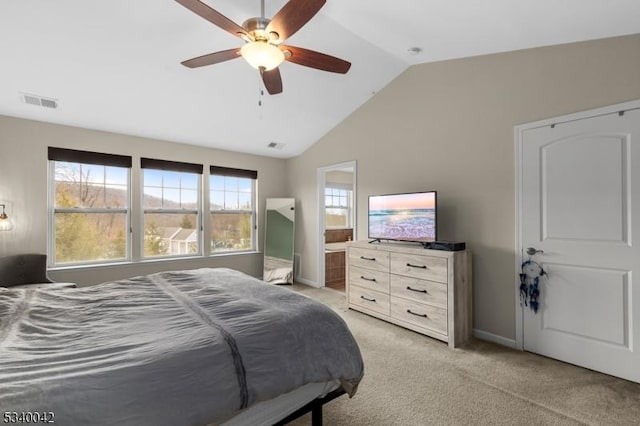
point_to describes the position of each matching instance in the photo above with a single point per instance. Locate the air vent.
(275, 145)
(39, 101)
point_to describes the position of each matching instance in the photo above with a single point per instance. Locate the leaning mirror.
(278, 241)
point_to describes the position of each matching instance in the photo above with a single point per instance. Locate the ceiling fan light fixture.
(261, 54)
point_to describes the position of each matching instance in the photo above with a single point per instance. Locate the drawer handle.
(367, 299)
(417, 266)
(418, 315)
(416, 290)
(368, 279)
(367, 258)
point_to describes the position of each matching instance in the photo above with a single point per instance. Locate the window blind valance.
(228, 171)
(172, 166)
(88, 157)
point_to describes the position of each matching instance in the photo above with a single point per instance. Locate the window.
(90, 209)
(171, 204)
(89, 214)
(337, 203)
(232, 207)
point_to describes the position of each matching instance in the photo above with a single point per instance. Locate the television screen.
(405, 217)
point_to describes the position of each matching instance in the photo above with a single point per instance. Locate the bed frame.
(315, 407)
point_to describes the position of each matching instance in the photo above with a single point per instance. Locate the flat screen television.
(403, 217)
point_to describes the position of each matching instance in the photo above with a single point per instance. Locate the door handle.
(532, 251)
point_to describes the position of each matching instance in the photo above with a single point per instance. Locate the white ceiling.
(115, 65)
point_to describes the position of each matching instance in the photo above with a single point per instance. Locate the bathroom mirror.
(278, 241)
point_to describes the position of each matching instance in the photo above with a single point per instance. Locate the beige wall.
(23, 186)
(449, 126)
(446, 126)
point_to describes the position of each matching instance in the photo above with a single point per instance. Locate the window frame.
(242, 174)
(348, 209)
(135, 211)
(64, 155)
(174, 167)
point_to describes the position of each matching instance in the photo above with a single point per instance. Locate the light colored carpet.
(411, 379)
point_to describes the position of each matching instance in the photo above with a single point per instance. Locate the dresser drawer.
(369, 299)
(418, 290)
(369, 258)
(368, 278)
(422, 315)
(419, 266)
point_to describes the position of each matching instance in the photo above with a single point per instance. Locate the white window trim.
(254, 220)
(135, 222)
(348, 209)
(52, 210)
(144, 211)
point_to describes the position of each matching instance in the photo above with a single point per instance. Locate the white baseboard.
(307, 282)
(490, 337)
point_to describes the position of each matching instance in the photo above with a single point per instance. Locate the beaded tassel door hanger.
(530, 274)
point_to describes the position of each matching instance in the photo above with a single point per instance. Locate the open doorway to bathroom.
(336, 219)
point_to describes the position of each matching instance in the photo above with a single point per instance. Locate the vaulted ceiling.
(115, 65)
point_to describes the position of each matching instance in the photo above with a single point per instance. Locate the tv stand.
(428, 291)
(375, 240)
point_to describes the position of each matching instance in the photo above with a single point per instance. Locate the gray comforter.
(174, 348)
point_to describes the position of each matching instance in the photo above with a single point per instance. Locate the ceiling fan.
(263, 49)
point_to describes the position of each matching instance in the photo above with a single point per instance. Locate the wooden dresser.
(428, 291)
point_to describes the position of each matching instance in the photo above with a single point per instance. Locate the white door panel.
(583, 188)
(598, 296)
(579, 206)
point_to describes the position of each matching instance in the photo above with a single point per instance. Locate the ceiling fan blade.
(272, 81)
(317, 60)
(293, 16)
(212, 58)
(213, 16)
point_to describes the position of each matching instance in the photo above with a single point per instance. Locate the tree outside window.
(90, 212)
(232, 212)
(171, 210)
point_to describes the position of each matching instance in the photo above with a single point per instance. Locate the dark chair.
(21, 269)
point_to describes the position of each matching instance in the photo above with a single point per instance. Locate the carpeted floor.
(411, 379)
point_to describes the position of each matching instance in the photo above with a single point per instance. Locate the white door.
(581, 207)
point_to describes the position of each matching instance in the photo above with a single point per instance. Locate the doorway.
(336, 221)
(578, 214)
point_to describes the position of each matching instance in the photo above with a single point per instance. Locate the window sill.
(107, 265)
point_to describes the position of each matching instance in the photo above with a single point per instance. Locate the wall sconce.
(5, 222)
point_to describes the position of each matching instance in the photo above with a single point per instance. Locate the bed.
(200, 347)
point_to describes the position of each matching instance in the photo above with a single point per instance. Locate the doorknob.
(531, 251)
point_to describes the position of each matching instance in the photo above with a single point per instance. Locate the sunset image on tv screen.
(408, 217)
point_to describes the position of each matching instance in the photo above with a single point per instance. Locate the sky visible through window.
(230, 193)
(178, 188)
(171, 189)
(91, 186)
